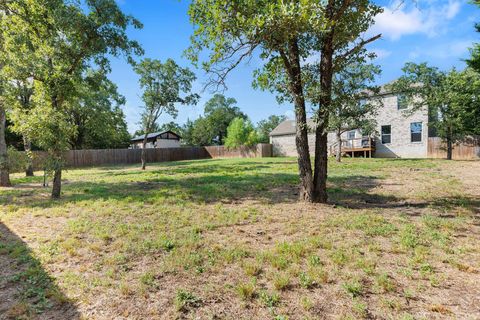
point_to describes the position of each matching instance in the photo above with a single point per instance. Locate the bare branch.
(356, 48)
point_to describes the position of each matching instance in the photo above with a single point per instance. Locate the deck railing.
(355, 144)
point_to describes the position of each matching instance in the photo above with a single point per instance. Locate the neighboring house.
(398, 134)
(159, 140)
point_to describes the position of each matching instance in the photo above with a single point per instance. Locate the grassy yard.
(227, 239)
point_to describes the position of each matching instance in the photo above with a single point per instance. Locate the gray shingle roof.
(288, 127)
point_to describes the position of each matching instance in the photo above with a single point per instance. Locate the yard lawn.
(227, 239)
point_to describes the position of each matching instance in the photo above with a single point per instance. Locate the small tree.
(57, 40)
(353, 101)
(240, 132)
(452, 99)
(163, 85)
(266, 126)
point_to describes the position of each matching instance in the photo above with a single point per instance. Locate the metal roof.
(153, 135)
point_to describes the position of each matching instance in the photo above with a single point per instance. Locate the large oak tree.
(285, 34)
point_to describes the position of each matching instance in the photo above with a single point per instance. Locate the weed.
(306, 281)
(409, 237)
(185, 300)
(359, 308)
(340, 257)
(307, 303)
(148, 279)
(246, 291)
(252, 268)
(314, 261)
(281, 281)
(385, 283)
(353, 288)
(270, 300)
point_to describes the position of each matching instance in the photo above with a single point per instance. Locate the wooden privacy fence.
(89, 158)
(470, 149)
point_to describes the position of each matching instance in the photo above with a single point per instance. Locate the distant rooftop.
(153, 135)
(289, 127)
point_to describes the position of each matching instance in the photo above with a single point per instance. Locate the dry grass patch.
(228, 239)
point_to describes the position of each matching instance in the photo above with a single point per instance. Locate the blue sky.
(439, 32)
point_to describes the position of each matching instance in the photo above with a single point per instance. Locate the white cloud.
(381, 53)
(399, 20)
(396, 23)
(452, 9)
(451, 50)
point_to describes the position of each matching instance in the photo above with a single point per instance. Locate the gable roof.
(288, 127)
(154, 135)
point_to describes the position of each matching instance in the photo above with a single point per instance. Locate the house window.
(386, 134)
(401, 102)
(351, 135)
(416, 132)
(362, 103)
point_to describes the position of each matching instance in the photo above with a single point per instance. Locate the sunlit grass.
(125, 231)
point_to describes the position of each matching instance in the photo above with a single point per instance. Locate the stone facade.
(284, 145)
(400, 145)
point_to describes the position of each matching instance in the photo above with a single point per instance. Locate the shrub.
(17, 161)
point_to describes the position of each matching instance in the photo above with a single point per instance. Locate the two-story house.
(399, 134)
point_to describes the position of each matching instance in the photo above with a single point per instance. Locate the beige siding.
(160, 144)
(167, 143)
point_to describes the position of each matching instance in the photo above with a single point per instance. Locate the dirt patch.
(400, 244)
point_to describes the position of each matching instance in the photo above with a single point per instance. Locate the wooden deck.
(355, 147)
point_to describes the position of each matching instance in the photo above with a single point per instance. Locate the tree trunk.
(321, 163)
(338, 156)
(292, 65)
(449, 144)
(57, 183)
(27, 145)
(144, 155)
(4, 172)
(321, 134)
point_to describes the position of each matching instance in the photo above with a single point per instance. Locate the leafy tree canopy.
(211, 128)
(53, 42)
(264, 127)
(240, 132)
(165, 86)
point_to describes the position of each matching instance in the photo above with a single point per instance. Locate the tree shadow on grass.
(210, 187)
(26, 289)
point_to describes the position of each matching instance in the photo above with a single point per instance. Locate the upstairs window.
(416, 132)
(386, 134)
(351, 135)
(362, 103)
(401, 102)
